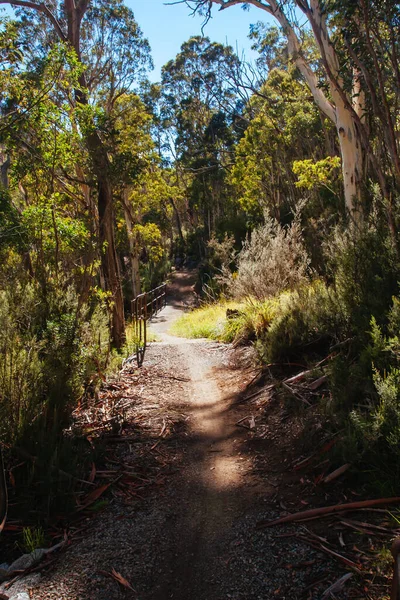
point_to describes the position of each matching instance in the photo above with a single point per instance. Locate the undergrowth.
(209, 321)
(277, 325)
(352, 317)
(55, 351)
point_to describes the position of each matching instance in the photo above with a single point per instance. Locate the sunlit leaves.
(312, 174)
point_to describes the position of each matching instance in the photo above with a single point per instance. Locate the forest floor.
(190, 470)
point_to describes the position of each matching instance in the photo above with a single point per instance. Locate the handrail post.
(144, 307)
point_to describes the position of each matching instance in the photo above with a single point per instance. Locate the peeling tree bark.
(352, 159)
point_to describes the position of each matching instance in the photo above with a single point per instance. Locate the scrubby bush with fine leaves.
(272, 260)
(52, 346)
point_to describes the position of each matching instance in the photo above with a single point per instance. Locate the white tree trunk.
(337, 111)
(352, 159)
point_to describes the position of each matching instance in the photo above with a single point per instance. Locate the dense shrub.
(306, 324)
(272, 260)
(365, 271)
(52, 347)
(374, 418)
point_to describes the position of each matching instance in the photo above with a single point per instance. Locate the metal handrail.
(144, 307)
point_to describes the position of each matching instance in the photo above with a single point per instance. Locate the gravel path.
(194, 537)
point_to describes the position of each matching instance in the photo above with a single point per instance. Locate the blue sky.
(167, 27)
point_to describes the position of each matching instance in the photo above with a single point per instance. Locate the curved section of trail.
(191, 534)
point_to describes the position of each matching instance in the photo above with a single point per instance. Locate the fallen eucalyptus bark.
(328, 510)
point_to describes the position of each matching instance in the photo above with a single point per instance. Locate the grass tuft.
(206, 322)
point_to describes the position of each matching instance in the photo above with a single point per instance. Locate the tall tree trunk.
(133, 250)
(352, 158)
(5, 164)
(340, 111)
(107, 246)
(105, 200)
(178, 220)
(109, 261)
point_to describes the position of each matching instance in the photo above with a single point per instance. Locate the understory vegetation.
(278, 181)
(349, 318)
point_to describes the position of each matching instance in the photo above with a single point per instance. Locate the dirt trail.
(192, 534)
(212, 472)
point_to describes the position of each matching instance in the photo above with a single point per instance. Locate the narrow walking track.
(208, 504)
(205, 491)
(193, 535)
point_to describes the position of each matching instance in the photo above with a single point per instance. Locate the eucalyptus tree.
(199, 106)
(109, 47)
(341, 30)
(370, 38)
(285, 127)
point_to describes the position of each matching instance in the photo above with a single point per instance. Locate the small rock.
(27, 560)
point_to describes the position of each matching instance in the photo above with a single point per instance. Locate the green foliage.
(375, 416)
(53, 347)
(206, 322)
(312, 174)
(215, 271)
(284, 128)
(154, 273)
(199, 105)
(305, 325)
(12, 231)
(33, 538)
(282, 327)
(366, 273)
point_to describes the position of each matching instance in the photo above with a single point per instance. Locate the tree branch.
(39, 8)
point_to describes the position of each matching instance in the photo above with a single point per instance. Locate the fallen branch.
(343, 559)
(337, 586)
(266, 388)
(337, 473)
(360, 529)
(93, 496)
(317, 383)
(243, 419)
(371, 527)
(299, 376)
(295, 395)
(328, 510)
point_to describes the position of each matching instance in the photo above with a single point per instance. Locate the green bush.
(305, 323)
(52, 346)
(375, 407)
(365, 271)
